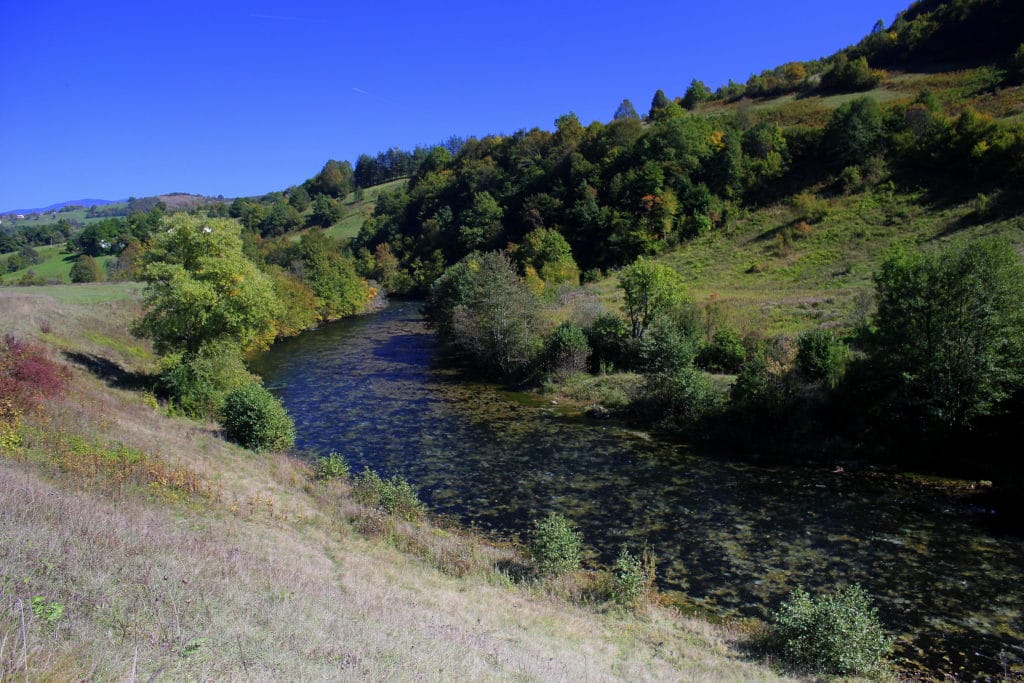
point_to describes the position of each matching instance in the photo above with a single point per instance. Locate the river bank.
(732, 537)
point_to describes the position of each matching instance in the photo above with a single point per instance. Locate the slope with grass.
(356, 211)
(137, 545)
(55, 266)
(769, 273)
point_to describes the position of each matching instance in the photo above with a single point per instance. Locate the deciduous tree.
(86, 269)
(950, 331)
(201, 289)
(650, 289)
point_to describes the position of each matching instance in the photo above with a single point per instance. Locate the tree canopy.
(651, 289)
(201, 289)
(950, 331)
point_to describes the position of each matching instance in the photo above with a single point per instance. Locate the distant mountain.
(57, 207)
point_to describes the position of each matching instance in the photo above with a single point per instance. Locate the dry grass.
(173, 555)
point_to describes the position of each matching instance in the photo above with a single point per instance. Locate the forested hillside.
(803, 131)
(773, 245)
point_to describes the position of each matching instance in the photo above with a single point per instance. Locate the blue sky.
(111, 99)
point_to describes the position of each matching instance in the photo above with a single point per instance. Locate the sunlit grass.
(56, 265)
(766, 277)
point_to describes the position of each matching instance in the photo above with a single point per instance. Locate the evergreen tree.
(659, 102)
(695, 94)
(626, 110)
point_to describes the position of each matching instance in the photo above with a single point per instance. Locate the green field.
(90, 292)
(56, 265)
(79, 216)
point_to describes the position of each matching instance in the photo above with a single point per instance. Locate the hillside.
(287, 578)
(86, 203)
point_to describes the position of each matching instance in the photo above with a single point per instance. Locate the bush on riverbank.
(632, 578)
(555, 546)
(395, 496)
(253, 418)
(331, 466)
(838, 633)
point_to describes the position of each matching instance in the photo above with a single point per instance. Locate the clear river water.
(732, 537)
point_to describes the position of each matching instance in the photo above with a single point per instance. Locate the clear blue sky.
(111, 99)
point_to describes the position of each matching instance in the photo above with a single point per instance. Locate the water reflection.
(736, 537)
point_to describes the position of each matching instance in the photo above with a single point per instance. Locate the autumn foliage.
(28, 377)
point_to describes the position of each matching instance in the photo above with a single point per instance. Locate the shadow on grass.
(110, 372)
(517, 572)
(1001, 206)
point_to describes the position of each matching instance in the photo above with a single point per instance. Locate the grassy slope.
(355, 212)
(56, 265)
(178, 556)
(824, 278)
(955, 86)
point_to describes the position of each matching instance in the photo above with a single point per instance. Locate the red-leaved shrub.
(28, 377)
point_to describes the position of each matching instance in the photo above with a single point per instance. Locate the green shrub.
(725, 353)
(807, 206)
(29, 278)
(331, 466)
(14, 263)
(838, 633)
(196, 383)
(679, 400)
(755, 382)
(29, 256)
(668, 346)
(555, 546)
(983, 205)
(396, 496)
(86, 269)
(851, 180)
(566, 349)
(608, 338)
(820, 356)
(632, 576)
(253, 418)
(849, 75)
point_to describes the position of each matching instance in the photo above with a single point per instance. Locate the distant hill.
(72, 202)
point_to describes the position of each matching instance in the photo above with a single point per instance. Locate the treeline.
(632, 188)
(13, 238)
(318, 201)
(396, 163)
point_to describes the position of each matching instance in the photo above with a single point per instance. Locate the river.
(732, 538)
